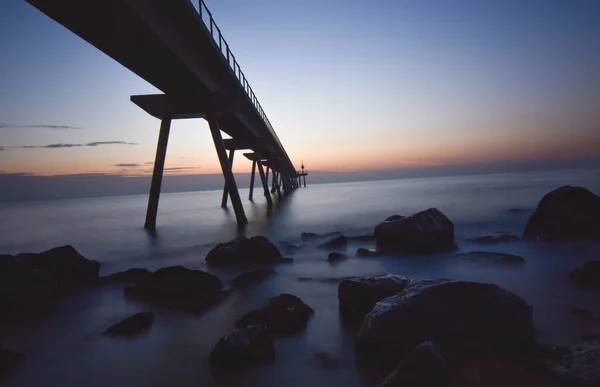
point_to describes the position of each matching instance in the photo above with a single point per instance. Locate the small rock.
(131, 275)
(423, 366)
(311, 236)
(9, 360)
(489, 256)
(336, 257)
(283, 314)
(252, 277)
(338, 243)
(248, 346)
(242, 251)
(583, 314)
(137, 323)
(364, 253)
(586, 274)
(326, 361)
(496, 237)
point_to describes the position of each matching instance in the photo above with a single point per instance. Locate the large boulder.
(492, 257)
(358, 295)
(283, 314)
(64, 264)
(565, 214)
(22, 287)
(336, 257)
(243, 251)
(247, 346)
(423, 366)
(137, 323)
(425, 231)
(587, 274)
(9, 360)
(461, 318)
(578, 365)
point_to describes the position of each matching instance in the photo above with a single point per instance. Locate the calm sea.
(66, 347)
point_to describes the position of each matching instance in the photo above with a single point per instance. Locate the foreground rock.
(488, 256)
(9, 360)
(253, 277)
(137, 323)
(336, 257)
(459, 317)
(248, 346)
(243, 251)
(496, 237)
(587, 274)
(64, 264)
(366, 253)
(338, 243)
(358, 295)
(425, 231)
(578, 365)
(131, 275)
(565, 214)
(283, 314)
(22, 288)
(180, 288)
(423, 366)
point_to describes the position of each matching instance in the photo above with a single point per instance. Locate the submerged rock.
(422, 366)
(137, 323)
(586, 274)
(338, 243)
(283, 314)
(362, 238)
(311, 236)
(565, 214)
(247, 346)
(253, 277)
(9, 360)
(336, 257)
(458, 316)
(425, 231)
(131, 275)
(496, 237)
(578, 365)
(243, 251)
(358, 295)
(489, 256)
(362, 252)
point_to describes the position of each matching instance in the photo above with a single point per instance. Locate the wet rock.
(326, 361)
(243, 251)
(358, 295)
(22, 288)
(578, 365)
(311, 236)
(247, 346)
(488, 256)
(283, 314)
(64, 264)
(459, 317)
(365, 253)
(253, 277)
(582, 314)
(338, 243)
(336, 257)
(137, 323)
(131, 275)
(565, 214)
(425, 231)
(587, 274)
(423, 366)
(496, 237)
(9, 360)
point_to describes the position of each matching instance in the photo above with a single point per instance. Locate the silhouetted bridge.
(176, 46)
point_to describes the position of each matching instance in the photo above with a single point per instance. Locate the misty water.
(66, 346)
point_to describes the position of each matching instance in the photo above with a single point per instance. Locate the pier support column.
(157, 174)
(304, 181)
(279, 187)
(225, 190)
(265, 183)
(274, 181)
(267, 172)
(252, 180)
(227, 172)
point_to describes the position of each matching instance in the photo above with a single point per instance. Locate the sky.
(349, 86)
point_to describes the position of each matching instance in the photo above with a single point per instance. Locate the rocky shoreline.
(426, 332)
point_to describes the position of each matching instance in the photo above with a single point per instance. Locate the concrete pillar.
(304, 181)
(274, 181)
(224, 200)
(157, 174)
(279, 187)
(265, 183)
(227, 172)
(252, 180)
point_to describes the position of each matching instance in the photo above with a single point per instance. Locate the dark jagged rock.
(582, 314)
(248, 346)
(326, 361)
(425, 231)
(422, 366)
(489, 256)
(362, 252)
(131, 275)
(244, 251)
(565, 214)
(22, 287)
(9, 360)
(578, 365)
(587, 274)
(283, 314)
(496, 237)
(311, 236)
(336, 257)
(358, 295)
(64, 264)
(253, 277)
(137, 323)
(338, 243)
(459, 317)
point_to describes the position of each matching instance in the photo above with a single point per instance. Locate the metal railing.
(223, 47)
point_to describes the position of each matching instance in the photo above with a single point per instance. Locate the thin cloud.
(149, 163)
(110, 143)
(42, 126)
(180, 168)
(127, 165)
(63, 145)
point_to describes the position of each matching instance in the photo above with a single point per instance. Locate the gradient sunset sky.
(348, 85)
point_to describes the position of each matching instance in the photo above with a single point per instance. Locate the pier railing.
(223, 47)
